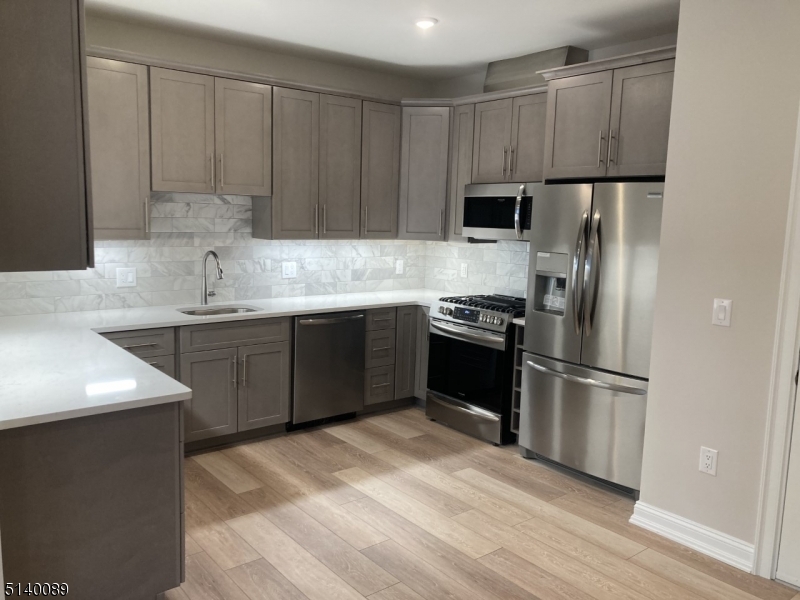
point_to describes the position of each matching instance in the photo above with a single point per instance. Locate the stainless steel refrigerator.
(588, 325)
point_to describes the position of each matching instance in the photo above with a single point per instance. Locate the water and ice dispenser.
(550, 289)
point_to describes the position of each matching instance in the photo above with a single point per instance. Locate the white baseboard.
(708, 541)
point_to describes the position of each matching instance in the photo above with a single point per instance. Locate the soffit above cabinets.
(469, 33)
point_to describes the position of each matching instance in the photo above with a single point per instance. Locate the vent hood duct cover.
(520, 72)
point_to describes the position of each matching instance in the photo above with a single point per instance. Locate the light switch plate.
(289, 270)
(398, 266)
(722, 312)
(126, 277)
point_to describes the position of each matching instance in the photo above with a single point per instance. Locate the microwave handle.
(517, 209)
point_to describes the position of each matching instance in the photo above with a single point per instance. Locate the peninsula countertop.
(57, 367)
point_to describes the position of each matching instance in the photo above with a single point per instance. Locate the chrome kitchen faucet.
(204, 293)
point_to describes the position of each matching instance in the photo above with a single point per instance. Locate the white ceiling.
(470, 33)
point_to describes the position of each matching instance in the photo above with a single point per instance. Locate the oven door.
(497, 212)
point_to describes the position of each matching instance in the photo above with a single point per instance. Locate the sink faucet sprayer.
(204, 293)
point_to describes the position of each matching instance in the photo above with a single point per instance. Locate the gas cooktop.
(494, 312)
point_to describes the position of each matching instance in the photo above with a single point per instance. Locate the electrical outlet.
(463, 269)
(126, 277)
(398, 266)
(708, 461)
(289, 270)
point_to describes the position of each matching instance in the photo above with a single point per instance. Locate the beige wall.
(190, 49)
(734, 116)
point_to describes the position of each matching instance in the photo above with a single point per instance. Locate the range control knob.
(499, 320)
(448, 311)
(494, 320)
(441, 309)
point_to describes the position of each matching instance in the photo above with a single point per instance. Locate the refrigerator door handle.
(517, 209)
(578, 289)
(614, 387)
(591, 273)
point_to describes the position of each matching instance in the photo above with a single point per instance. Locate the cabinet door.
(46, 222)
(423, 173)
(641, 100)
(119, 139)
(295, 165)
(380, 170)
(578, 110)
(340, 167)
(243, 121)
(461, 163)
(527, 137)
(378, 385)
(423, 337)
(182, 128)
(490, 153)
(380, 348)
(264, 385)
(212, 409)
(405, 352)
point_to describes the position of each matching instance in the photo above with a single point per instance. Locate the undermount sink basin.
(208, 311)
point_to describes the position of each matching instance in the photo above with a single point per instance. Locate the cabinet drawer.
(381, 318)
(380, 348)
(165, 364)
(197, 338)
(379, 385)
(147, 342)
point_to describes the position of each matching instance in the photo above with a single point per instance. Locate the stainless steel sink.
(208, 311)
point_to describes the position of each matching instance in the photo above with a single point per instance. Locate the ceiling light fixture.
(426, 22)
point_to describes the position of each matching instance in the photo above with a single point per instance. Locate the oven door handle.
(498, 342)
(473, 411)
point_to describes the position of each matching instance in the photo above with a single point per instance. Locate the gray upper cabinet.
(243, 122)
(182, 130)
(460, 163)
(47, 223)
(213, 408)
(423, 173)
(641, 100)
(339, 167)
(529, 117)
(119, 138)
(576, 139)
(264, 385)
(295, 164)
(491, 142)
(405, 352)
(380, 170)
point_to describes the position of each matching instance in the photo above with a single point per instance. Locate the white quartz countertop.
(56, 366)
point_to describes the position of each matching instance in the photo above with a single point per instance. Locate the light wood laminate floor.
(394, 507)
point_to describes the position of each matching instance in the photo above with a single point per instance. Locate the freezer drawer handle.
(475, 412)
(614, 387)
(329, 321)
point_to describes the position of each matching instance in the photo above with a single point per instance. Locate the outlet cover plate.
(398, 266)
(126, 277)
(708, 461)
(463, 269)
(289, 270)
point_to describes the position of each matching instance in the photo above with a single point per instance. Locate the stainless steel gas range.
(471, 364)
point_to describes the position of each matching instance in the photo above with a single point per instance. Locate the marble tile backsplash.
(184, 226)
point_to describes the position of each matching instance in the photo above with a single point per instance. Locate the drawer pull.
(381, 348)
(129, 347)
(377, 385)
(383, 319)
(153, 364)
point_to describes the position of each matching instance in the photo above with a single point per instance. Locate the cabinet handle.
(375, 320)
(244, 372)
(616, 149)
(377, 385)
(324, 219)
(600, 139)
(221, 171)
(211, 160)
(611, 138)
(381, 348)
(511, 162)
(316, 219)
(504, 162)
(131, 346)
(366, 219)
(235, 371)
(153, 364)
(441, 218)
(146, 214)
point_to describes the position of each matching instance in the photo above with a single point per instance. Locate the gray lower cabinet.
(423, 173)
(243, 137)
(119, 139)
(379, 385)
(380, 170)
(641, 102)
(405, 352)
(460, 163)
(264, 385)
(46, 224)
(380, 348)
(295, 164)
(339, 167)
(529, 117)
(165, 364)
(211, 375)
(423, 337)
(182, 131)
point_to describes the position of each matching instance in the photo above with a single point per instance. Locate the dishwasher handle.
(330, 321)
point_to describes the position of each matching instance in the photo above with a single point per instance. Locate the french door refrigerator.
(588, 324)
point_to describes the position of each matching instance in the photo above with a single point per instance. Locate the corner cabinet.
(463, 126)
(609, 123)
(119, 138)
(380, 170)
(46, 191)
(423, 173)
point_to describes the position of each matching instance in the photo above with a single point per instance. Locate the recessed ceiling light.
(426, 22)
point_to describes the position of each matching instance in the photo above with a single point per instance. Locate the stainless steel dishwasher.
(328, 365)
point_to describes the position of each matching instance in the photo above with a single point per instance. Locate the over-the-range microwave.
(499, 211)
